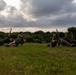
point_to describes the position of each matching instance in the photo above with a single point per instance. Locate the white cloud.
(15, 3)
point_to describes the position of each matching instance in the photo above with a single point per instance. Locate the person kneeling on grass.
(53, 42)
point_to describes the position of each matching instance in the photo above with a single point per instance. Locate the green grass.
(37, 59)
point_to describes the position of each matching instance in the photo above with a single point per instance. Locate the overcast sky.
(33, 15)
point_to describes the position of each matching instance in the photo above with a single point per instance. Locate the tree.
(72, 32)
(2, 35)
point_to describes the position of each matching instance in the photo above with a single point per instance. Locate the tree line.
(42, 37)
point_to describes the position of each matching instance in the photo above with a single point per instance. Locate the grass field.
(37, 59)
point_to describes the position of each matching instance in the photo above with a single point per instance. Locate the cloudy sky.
(34, 15)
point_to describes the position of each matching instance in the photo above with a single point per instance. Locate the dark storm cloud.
(41, 8)
(65, 20)
(50, 13)
(2, 5)
(16, 21)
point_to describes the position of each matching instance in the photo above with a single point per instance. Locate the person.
(8, 39)
(17, 41)
(60, 40)
(21, 38)
(63, 41)
(54, 41)
(71, 40)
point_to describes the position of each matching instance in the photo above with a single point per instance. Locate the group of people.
(13, 42)
(57, 41)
